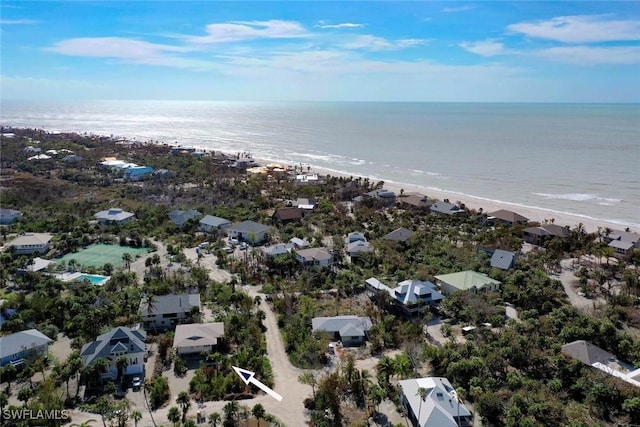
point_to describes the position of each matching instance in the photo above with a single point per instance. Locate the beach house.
(441, 406)
(30, 243)
(287, 215)
(398, 235)
(622, 242)
(23, 346)
(415, 201)
(277, 250)
(166, 311)
(350, 330)
(118, 342)
(114, 216)
(195, 338)
(507, 217)
(180, 218)
(540, 235)
(210, 224)
(314, 257)
(469, 280)
(409, 296)
(503, 260)
(445, 208)
(9, 216)
(249, 231)
(594, 356)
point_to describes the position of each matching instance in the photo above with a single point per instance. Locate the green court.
(101, 254)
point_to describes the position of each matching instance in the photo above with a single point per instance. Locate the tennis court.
(101, 254)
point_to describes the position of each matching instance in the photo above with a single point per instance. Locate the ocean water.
(582, 159)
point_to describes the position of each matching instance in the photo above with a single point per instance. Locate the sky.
(418, 51)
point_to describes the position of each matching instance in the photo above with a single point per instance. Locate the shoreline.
(535, 214)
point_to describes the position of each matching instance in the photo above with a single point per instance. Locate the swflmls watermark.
(31, 414)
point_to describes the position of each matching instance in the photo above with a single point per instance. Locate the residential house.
(118, 342)
(314, 257)
(622, 242)
(466, 281)
(503, 260)
(287, 215)
(30, 243)
(386, 198)
(196, 338)
(539, 235)
(445, 208)
(210, 224)
(507, 217)
(5, 312)
(114, 216)
(417, 201)
(598, 358)
(37, 264)
(9, 216)
(22, 346)
(354, 249)
(355, 236)
(180, 218)
(410, 296)
(299, 243)
(441, 406)
(307, 205)
(166, 311)
(308, 179)
(249, 231)
(621, 249)
(350, 330)
(279, 249)
(347, 191)
(398, 235)
(137, 173)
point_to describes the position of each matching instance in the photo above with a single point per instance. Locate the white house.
(166, 311)
(211, 223)
(467, 281)
(410, 296)
(314, 257)
(350, 330)
(30, 243)
(194, 338)
(114, 216)
(440, 407)
(24, 345)
(118, 342)
(249, 231)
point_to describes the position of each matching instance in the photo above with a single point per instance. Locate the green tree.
(184, 401)
(174, 415)
(126, 258)
(307, 378)
(258, 412)
(214, 419)
(136, 416)
(231, 414)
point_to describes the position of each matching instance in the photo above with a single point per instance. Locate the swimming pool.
(94, 279)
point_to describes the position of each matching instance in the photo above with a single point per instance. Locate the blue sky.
(486, 51)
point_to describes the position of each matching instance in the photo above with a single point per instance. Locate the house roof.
(399, 235)
(39, 264)
(318, 254)
(172, 303)
(620, 244)
(509, 216)
(624, 236)
(408, 292)
(417, 200)
(502, 259)
(15, 343)
(465, 280)
(288, 214)
(355, 236)
(359, 246)
(198, 334)
(31, 239)
(300, 243)
(586, 352)
(441, 405)
(445, 208)
(114, 214)
(249, 227)
(9, 212)
(352, 326)
(214, 221)
(120, 339)
(181, 217)
(381, 194)
(277, 249)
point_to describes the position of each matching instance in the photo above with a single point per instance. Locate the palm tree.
(184, 401)
(308, 378)
(121, 363)
(136, 416)
(126, 258)
(376, 395)
(214, 419)
(174, 415)
(422, 392)
(386, 367)
(231, 413)
(258, 412)
(145, 388)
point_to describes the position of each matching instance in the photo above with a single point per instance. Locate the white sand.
(487, 206)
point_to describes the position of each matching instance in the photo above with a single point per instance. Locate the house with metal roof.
(114, 216)
(445, 208)
(469, 280)
(180, 218)
(410, 296)
(350, 330)
(503, 260)
(314, 257)
(355, 249)
(211, 223)
(166, 311)
(299, 243)
(441, 406)
(9, 216)
(195, 338)
(118, 342)
(23, 346)
(30, 243)
(594, 356)
(249, 231)
(279, 249)
(398, 235)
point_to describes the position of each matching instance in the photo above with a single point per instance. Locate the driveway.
(568, 279)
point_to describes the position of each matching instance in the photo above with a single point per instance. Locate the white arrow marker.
(249, 377)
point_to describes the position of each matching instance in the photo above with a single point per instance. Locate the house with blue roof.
(23, 346)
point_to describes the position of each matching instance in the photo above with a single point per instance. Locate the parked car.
(136, 383)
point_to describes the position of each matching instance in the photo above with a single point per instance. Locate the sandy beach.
(534, 214)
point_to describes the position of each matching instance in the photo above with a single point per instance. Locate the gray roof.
(352, 326)
(355, 236)
(624, 236)
(250, 227)
(15, 343)
(113, 214)
(409, 292)
(399, 235)
(300, 243)
(198, 334)
(9, 212)
(586, 352)
(180, 218)
(509, 216)
(381, 194)
(445, 208)
(359, 246)
(181, 303)
(120, 339)
(502, 259)
(277, 249)
(214, 221)
(441, 406)
(31, 239)
(620, 244)
(318, 254)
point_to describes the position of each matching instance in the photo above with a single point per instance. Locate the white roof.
(198, 334)
(113, 214)
(441, 405)
(31, 239)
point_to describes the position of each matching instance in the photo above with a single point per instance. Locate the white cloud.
(18, 21)
(592, 55)
(234, 31)
(375, 44)
(580, 29)
(457, 9)
(484, 48)
(343, 25)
